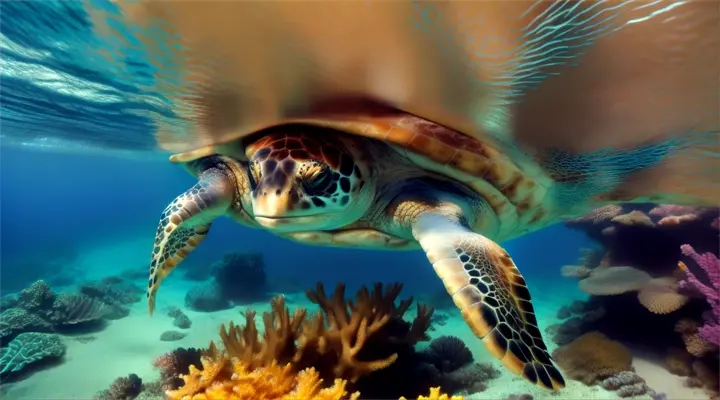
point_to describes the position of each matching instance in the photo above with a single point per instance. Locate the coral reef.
(471, 378)
(657, 281)
(123, 388)
(37, 311)
(63, 310)
(115, 292)
(27, 349)
(363, 346)
(710, 263)
(238, 279)
(627, 384)
(14, 321)
(176, 363)
(206, 297)
(223, 378)
(592, 357)
(77, 308)
(435, 394)
(449, 353)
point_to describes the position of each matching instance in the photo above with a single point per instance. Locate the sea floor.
(129, 345)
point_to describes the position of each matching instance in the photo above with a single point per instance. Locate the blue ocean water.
(66, 202)
(83, 185)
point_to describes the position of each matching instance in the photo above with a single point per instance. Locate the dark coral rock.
(206, 297)
(175, 363)
(440, 318)
(112, 291)
(524, 396)
(566, 332)
(116, 293)
(174, 312)
(171, 336)
(449, 353)
(471, 378)
(241, 277)
(182, 321)
(578, 307)
(564, 312)
(124, 388)
(77, 308)
(37, 296)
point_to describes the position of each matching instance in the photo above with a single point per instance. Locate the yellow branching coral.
(338, 341)
(436, 395)
(291, 359)
(225, 379)
(198, 380)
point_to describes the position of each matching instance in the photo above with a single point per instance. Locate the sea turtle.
(392, 181)
(397, 182)
(551, 112)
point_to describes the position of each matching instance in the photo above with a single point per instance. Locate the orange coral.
(347, 340)
(592, 357)
(436, 395)
(695, 345)
(661, 296)
(226, 379)
(353, 326)
(333, 347)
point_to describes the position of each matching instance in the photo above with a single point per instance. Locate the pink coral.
(711, 265)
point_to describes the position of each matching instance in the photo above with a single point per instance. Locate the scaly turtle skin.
(396, 182)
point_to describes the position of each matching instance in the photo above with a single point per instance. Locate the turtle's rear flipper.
(185, 223)
(495, 302)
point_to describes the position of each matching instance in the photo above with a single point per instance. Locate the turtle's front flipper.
(185, 223)
(487, 286)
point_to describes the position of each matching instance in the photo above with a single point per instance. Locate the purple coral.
(710, 263)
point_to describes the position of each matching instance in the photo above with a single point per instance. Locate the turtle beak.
(273, 199)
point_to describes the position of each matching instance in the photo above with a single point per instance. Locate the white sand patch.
(659, 378)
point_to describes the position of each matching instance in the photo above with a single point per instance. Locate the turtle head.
(304, 181)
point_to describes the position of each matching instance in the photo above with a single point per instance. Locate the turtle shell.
(513, 190)
(555, 99)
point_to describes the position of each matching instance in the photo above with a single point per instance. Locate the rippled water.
(126, 77)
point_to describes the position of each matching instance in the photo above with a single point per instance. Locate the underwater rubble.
(34, 321)
(653, 282)
(347, 348)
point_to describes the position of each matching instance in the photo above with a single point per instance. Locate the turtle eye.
(254, 174)
(318, 180)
